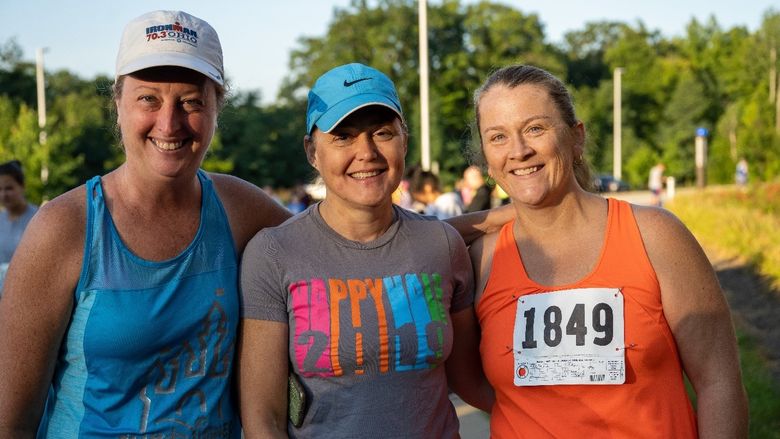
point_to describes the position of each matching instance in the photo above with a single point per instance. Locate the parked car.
(608, 183)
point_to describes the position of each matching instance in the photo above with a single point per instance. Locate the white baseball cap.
(170, 38)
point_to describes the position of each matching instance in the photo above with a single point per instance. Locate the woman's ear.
(578, 132)
(310, 148)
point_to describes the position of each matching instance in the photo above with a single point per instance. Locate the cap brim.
(331, 118)
(176, 59)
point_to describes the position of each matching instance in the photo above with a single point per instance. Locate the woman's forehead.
(171, 75)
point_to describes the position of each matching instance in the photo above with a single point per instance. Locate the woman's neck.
(17, 210)
(559, 218)
(357, 224)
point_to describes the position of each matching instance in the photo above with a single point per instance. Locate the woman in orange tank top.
(591, 309)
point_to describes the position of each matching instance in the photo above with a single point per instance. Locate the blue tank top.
(149, 349)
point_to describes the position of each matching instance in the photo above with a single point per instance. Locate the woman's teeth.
(526, 171)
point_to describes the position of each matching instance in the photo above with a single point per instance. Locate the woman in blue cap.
(122, 304)
(357, 297)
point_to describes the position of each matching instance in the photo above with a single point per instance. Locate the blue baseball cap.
(341, 91)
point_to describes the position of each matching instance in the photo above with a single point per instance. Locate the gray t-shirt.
(369, 322)
(11, 231)
(10, 234)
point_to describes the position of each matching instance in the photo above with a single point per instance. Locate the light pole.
(425, 144)
(41, 88)
(617, 122)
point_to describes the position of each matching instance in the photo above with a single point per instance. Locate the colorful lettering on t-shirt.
(368, 324)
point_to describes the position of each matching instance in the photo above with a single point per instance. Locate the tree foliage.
(710, 77)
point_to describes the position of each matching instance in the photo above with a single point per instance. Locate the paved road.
(643, 197)
(474, 423)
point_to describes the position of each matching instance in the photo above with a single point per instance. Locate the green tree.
(465, 44)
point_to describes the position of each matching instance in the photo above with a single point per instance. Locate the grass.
(738, 223)
(764, 394)
(744, 224)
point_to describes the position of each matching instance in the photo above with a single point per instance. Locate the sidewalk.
(474, 423)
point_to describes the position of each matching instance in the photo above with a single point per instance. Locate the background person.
(366, 300)
(474, 183)
(120, 310)
(623, 291)
(16, 212)
(655, 183)
(741, 174)
(426, 190)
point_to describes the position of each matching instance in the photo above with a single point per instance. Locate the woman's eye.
(340, 137)
(191, 105)
(497, 138)
(147, 99)
(383, 135)
(535, 129)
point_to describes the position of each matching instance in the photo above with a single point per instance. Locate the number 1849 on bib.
(570, 337)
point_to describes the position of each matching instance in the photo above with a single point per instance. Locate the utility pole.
(772, 74)
(774, 82)
(41, 88)
(617, 122)
(777, 111)
(425, 141)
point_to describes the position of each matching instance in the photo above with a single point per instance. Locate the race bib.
(570, 337)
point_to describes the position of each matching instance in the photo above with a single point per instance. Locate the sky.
(258, 35)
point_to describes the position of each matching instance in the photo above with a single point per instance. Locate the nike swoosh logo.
(351, 83)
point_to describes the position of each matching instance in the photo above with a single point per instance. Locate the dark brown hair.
(14, 169)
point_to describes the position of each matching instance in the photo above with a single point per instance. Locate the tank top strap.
(510, 267)
(95, 216)
(216, 224)
(507, 278)
(623, 243)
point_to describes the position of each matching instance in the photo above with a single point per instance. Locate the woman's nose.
(366, 147)
(520, 148)
(169, 118)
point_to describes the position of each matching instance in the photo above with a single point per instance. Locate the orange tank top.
(651, 403)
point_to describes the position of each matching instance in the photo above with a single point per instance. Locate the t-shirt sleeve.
(263, 295)
(462, 273)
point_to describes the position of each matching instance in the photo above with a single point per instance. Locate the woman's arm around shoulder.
(35, 309)
(475, 224)
(248, 208)
(699, 317)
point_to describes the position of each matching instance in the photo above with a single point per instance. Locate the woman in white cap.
(358, 298)
(120, 310)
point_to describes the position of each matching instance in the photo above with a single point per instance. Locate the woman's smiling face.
(361, 161)
(528, 147)
(167, 117)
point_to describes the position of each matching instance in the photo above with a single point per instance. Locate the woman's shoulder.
(665, 237)
(656, 222)
(58, 227)
(66, 211)
(248, 207)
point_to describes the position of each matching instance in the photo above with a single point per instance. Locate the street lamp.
(41, 87)
(425, 144)
(617, 123)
